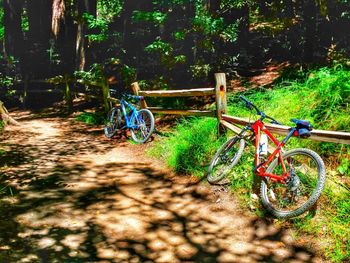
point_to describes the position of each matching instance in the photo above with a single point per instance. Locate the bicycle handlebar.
(250, 105)
(126, 96)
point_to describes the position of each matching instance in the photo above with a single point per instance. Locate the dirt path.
(82, 198)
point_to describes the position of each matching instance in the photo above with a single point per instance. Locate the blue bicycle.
(126, 116)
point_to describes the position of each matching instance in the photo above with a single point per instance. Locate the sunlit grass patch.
(323, 98)
(189, 148)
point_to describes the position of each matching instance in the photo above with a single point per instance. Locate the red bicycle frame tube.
(259, 127)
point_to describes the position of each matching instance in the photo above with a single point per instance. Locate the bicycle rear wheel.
(225, 159)
(303, 188)
(113, 122)
(144, 123)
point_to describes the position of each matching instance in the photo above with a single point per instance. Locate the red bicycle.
(291, 182)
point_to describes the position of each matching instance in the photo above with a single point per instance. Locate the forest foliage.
(180, 44)
(176, 42)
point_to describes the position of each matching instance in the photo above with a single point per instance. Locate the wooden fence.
(224, 120)
(219, 91)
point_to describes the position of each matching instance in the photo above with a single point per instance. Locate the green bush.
(92, 118)
(190, 146)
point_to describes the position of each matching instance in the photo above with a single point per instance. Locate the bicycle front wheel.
(225, 159)
(307, 175)
(113, 122)
(144, 126)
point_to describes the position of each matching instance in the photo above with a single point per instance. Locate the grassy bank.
(323, 97)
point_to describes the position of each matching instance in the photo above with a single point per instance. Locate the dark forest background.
(166, 43)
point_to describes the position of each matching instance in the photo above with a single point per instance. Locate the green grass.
(191, 144)
(92, 118)
(322, 97)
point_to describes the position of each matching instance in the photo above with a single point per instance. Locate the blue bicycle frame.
(128, 119)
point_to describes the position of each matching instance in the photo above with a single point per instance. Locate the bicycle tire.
(308, 174)
(145, 124)
(113, 122)
(235, 146)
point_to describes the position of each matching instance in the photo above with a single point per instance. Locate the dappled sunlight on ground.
(83, 198)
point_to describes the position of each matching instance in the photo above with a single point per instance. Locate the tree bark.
(5, 116)
(90, 7)
(66, 43)
(13, 28)
(39, 18)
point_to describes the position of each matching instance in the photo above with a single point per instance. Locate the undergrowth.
(93, 118)
(190, 146)
(323, 98)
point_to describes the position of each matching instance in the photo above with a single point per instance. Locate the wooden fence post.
(106, 94)
(136, 89)
(221, 99)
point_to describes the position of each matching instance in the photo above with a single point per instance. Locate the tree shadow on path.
(82, 199)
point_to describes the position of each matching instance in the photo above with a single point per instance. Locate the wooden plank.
(317, 135)
(182, 112)
(220, 99)
(178, 93)
(237, 130)
(220, 92)
(230, 126)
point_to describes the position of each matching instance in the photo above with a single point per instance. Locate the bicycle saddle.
(302, 124)
(303, 128)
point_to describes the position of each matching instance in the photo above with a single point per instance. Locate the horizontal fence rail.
(178, 93)
(219, 92)
(317, 135)
(207, 113)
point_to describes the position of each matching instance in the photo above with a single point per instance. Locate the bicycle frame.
(258, 128)
(128, 120)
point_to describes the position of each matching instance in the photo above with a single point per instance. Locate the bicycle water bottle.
(263, 144)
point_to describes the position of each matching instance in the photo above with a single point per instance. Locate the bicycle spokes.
(143, 125)
(302, 180)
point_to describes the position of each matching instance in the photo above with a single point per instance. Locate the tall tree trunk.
(66, 31)
(13, 28)
(39, 18)
(90, 7)
(58, 15)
